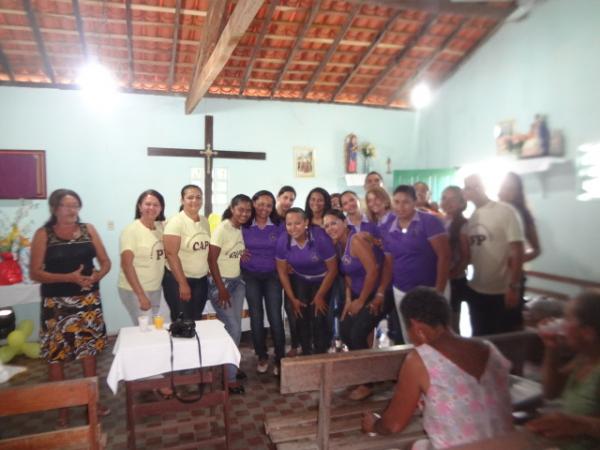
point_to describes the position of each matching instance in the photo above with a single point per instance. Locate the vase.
(366, 165)
(10, 271)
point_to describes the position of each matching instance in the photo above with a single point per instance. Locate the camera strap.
(200, 384)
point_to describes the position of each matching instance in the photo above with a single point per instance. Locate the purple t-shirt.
(414, 260)
(366, 226)
(261, 244)
(307, 261)
(352, 267)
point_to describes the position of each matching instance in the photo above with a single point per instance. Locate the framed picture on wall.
(304, 161)
(23, 174)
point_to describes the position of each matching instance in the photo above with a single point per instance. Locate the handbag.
(186, 329)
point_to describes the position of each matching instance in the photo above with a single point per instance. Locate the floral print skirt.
(72, 327)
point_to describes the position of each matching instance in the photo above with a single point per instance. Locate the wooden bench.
(339, 427)
(556, 286)
(50, 396)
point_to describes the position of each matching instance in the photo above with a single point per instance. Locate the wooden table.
(139, 355)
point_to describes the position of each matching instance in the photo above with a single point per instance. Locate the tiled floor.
(247, 411)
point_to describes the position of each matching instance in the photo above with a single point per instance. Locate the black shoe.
(237, 390)
(241, 375)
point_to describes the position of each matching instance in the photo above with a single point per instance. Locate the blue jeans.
(267, 286)
(230, 316)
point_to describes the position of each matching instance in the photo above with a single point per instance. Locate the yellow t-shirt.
(231, 242)
(195, 239)
(148, 254)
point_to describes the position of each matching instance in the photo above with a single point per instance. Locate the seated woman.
(579, 380)
(464, 382)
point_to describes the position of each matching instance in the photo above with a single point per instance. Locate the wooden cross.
(208, 154)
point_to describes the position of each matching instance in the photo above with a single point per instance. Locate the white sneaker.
(276, 370)
(262, 366)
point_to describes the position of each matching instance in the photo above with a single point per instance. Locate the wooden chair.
(339, 427)
(49, 396)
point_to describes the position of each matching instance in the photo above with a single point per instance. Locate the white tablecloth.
(143, 354)
(19, 294)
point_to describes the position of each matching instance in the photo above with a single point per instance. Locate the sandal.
(360, 393)
(103, 411)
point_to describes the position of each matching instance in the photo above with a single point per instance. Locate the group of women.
(265, 249)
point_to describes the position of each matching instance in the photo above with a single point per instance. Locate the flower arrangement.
(14, 245)
(368, 150)
(13, 234)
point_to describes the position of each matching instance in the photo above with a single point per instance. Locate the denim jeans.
(355, 329)
(191, 309)
(313, 330)
(232, 315)
(267, 286)
(294, 338)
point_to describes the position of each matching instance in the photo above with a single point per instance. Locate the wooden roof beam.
(388, 25)
(398, 57)
(80, 29)
(436, 7)
(39, 41)
(426, 65)
(217, 57)
(311, 18)
(332, 48)
(129, 18)
(174, 45)
(6, 65)
(257, 45)
(209, 35)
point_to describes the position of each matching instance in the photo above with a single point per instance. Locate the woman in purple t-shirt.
(261, 233)
(311, 255)
(417, 245)
(361, 264)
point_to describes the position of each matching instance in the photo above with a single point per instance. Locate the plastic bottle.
(383, 340)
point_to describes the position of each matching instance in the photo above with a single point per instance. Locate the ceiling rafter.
(307, 24)
(80, 29)
(426, 64)
(259, 40)
(129, 16)
(238, 23)
(174, 45)
(480, 9)
(38, 39)
(6, 65)
(386, 28)
(333, 47)
(427, 25)
(472, 50)
(209, 35)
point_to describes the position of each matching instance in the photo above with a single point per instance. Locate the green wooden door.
(436, 179)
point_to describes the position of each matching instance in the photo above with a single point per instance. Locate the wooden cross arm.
(190, 152)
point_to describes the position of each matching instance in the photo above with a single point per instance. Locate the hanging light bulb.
(98, 85)
(420, 96)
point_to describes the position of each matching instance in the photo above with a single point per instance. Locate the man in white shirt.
(496, 242)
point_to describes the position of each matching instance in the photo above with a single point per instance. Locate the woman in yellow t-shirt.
(186, 240)
(227, 288)
(143, 257)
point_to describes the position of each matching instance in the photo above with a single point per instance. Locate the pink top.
(459, 408)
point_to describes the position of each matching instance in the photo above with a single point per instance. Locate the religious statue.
(351, 153)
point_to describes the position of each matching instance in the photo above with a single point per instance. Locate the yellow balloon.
(31, 349)
(7, 353)
(16, 339)
(213, 220)
(26, 326)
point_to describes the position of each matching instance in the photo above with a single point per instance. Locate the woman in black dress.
(62, 260)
